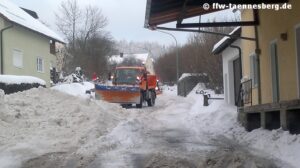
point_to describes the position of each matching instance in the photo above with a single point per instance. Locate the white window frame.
(38, 68)
(17, 63)
(254, 69)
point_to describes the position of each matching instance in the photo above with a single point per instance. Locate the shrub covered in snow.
(12, 83)
(75, 77)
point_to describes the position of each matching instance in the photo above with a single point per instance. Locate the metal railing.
(206, 97)
(245, 93)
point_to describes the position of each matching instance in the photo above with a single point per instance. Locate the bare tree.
(89, 44)
(195, 57)
(94, 22)
(68, 19)
(153, 48)
(131, 61)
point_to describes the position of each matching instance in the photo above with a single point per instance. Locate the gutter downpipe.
(1, 41)
(258, 53)
(241, 63)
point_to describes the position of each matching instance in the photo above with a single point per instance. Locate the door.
(237, 74)
(298, 57)
(274, 69)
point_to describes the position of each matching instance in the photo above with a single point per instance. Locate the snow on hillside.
(117, 59)
(14, 79)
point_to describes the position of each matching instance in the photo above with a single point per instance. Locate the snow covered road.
(169, 136)
(66, 131)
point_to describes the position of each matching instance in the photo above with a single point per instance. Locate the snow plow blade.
(118, 94)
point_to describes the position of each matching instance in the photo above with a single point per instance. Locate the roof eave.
(12, 22)
(50, 38)
(228, 42)
(147, 15)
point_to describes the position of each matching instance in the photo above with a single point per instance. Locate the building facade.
(27, 45)
(272, 63)
(230, 50)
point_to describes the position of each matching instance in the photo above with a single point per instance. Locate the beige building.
(273, 65)
(268, 95)
(27, 45)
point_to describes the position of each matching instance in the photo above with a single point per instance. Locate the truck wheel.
(140, 105)
(126, 105)
(151, 101)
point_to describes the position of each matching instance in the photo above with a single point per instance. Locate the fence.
(245, 93)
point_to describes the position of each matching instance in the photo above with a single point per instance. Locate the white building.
(232, 67)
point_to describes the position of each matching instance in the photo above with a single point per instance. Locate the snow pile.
(13, 79)
(170, 90)
(184, 75)
(41, 121)
(75, 89)
(59, 130)
(219, 119)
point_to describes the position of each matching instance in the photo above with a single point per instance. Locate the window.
(40, 64)
(274, 71)
(17, 58)
(254, 70)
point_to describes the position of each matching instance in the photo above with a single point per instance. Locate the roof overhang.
(227, 41)
(164, 11)
(26, 28)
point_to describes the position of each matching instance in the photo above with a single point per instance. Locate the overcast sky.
(126, 18)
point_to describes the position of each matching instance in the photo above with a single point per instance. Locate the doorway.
(237, 75)
(298, 57)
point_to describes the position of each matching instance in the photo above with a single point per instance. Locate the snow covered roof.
(13, 79)
(117, 59)
(15, 14)
(184, 75)
(225, 41)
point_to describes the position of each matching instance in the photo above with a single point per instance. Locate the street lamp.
(177, 54)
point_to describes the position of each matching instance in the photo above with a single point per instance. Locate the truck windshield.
(127, 76)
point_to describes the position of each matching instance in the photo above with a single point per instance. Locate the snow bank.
(220, 119)
(75, 89)
(13, 79)
(40, 121)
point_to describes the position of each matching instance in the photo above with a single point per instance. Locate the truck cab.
(131, 85)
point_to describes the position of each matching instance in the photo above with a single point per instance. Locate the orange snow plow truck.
(130, 85)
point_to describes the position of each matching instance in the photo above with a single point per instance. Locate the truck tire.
(126, 105)
(151, 101)
(140, 105)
